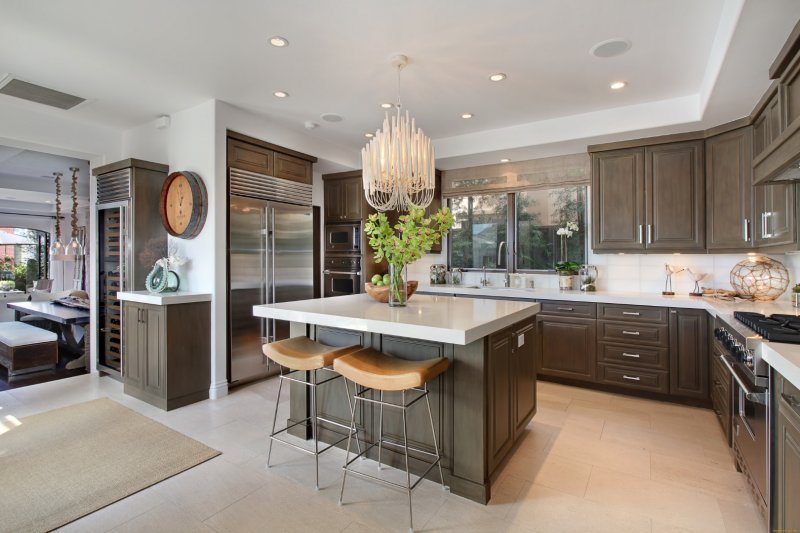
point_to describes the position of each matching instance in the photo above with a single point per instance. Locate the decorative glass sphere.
(761, 277)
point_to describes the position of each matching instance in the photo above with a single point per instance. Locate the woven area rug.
(60, 465)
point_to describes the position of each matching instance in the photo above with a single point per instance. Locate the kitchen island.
(481, 405)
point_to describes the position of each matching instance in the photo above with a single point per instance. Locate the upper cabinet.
(344, 197)
(649, 198)
(255, 155)
(729, 194)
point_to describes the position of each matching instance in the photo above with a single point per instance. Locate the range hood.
(780, 162)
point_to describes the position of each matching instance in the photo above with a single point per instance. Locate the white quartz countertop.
(433, 318)
(164, 298)
(785, 358)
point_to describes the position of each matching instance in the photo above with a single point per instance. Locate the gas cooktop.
(776, 328)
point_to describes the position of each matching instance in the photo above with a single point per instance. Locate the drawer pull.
(634, 355)
(624, 332)
(632, 378)
(565, 309)
(631, 313)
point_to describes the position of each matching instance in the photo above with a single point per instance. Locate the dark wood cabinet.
(523, 349)
(250, 157)
(261, 157)
(767, 125)
(775, 215)
(344, 198)
(292, 168)
(618, 200)
(720, 387)
(786, 463)
(649, 198)
(675, 196)
(729, 191)
(688, 331)
(567, 347)
(167, 357)
(500, 398)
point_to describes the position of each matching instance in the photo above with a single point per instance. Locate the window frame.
(512, 232)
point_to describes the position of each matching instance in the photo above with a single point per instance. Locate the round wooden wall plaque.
(184, 204)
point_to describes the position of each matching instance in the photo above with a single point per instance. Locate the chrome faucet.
(507, 280)
(485, 280)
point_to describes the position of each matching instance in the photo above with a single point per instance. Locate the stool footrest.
(386, 481)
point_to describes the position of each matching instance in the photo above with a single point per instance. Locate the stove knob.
(748, 358)
(719, 332)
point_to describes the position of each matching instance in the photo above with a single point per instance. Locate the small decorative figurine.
(697, 278)
(670, 270)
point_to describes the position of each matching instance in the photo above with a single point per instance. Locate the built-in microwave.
(344, 238)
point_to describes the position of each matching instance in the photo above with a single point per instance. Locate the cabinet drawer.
(632, 313)
(635, 334)
(634, 378)
(720, 376)
(633, 355)
(557, 307)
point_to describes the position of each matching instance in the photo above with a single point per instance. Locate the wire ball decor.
(760, 277)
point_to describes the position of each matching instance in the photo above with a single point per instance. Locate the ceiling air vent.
(39, 94)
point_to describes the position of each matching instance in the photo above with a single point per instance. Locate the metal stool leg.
(433, 433)
(314, 429)
(350, 405)
(347, 454)
(275, 416)
(380, 430)
(408, 472)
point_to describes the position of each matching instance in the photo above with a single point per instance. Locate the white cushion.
(20, 334)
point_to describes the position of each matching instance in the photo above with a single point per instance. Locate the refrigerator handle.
(272, 296)
(265, 274)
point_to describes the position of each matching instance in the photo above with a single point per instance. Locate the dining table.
(63, 316)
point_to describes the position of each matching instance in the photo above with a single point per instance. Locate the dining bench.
(25, 349)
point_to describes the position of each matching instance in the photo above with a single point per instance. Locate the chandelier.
(398, 162)
(57, 248)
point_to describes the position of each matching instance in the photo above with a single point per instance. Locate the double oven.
(749, 405)
(342, 267)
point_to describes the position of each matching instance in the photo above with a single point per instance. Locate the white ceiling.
(692, 62)
(26, 176)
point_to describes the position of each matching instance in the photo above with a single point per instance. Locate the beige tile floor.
(590, 462)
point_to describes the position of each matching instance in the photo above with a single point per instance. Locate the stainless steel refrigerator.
(271, 249)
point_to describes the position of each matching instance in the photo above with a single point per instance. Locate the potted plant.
(567, 270)
(405, 243)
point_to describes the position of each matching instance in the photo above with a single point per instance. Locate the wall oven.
(343, 238)
(342, 275)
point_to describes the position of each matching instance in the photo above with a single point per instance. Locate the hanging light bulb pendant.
(57, 248)
(398, 162)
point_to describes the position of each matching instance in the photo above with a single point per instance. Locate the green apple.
(378, 283)
(376, 278)
(386, 279)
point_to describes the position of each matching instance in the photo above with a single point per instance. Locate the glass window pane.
(539, 215)
(479, 228)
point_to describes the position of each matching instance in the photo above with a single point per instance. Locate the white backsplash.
(632, 272)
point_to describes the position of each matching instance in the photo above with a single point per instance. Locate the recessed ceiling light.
(281, 94)
(331, 117)
(278, 41)
(387, 105)
(618, 85)
(467, 115)
(505, 160)
(497, 77)
(610, 48)
(369, 135)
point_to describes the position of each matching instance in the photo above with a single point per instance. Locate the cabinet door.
(250, 157)
(568, 347)
(618, 199)
(675, 196)
(132, 338)
(334, 210)
(353, 195)
(292, 168)
(688, 330)
(500, 424)
(775, 214)
(523, 346)
(155, 367)
(787, 466)
(729, 199)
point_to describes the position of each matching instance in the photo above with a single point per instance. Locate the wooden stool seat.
(301, 353)
(373, 369)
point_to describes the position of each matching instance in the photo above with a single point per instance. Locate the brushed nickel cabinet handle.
(565, 308)
(746, 230)
(632, 378)
(634, 355)
(630, 313)
(641, 237)
(649, 234)
(624, 332)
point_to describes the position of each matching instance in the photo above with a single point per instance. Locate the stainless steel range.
(750, 409)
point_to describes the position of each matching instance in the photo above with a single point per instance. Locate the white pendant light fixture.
(57, 248)
(74, 248)
(398, 162)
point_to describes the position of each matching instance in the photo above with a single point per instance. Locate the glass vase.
(566, 282)
(398, 290)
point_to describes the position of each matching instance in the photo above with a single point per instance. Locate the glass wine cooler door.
(112, 257)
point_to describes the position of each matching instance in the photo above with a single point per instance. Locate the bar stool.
(299, 355)
(374, 370)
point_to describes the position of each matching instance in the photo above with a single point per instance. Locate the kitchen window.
(480, 236)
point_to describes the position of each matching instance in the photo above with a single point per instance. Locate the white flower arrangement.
(568, 229)
(173, 258)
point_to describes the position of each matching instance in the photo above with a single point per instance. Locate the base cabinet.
(567, 347)
(688, 343)
(168, 359)
(786, 463)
